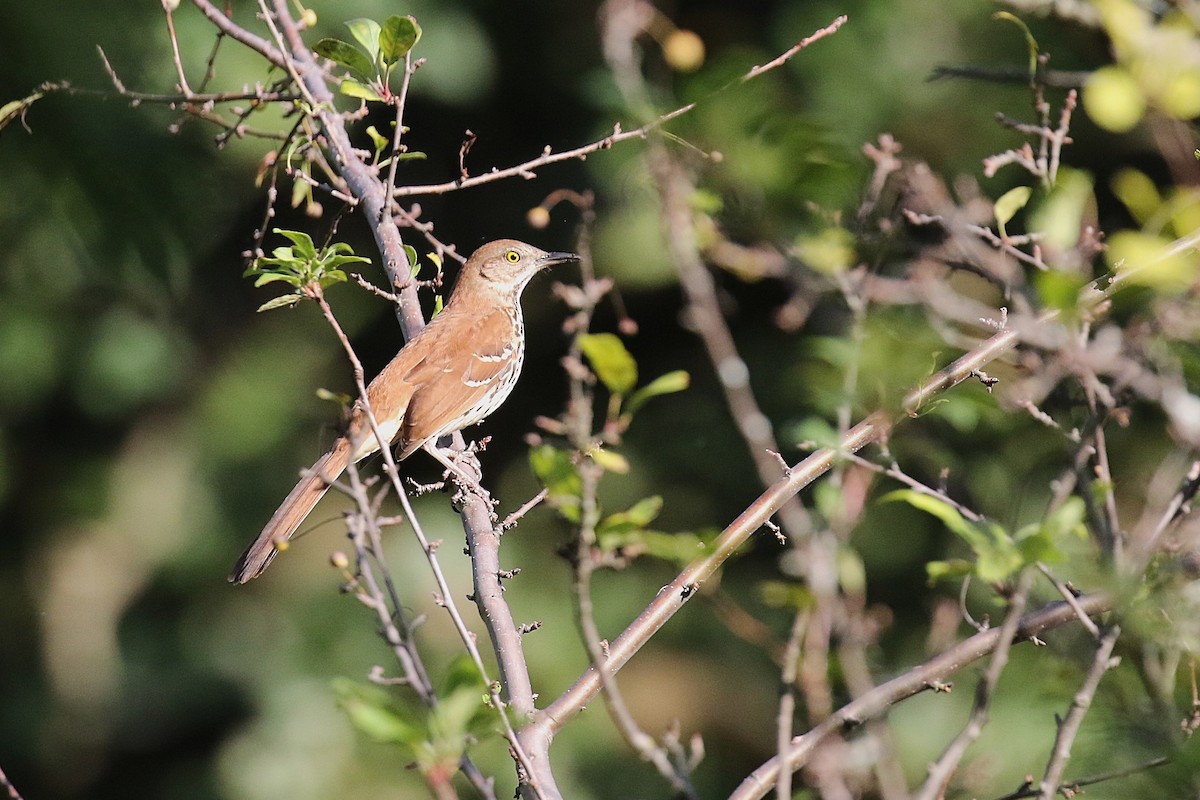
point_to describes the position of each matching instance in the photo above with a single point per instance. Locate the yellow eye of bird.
(513, 256)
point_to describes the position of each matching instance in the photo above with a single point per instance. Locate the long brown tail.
(292, 512)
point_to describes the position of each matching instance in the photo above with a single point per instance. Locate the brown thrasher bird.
(455, 372)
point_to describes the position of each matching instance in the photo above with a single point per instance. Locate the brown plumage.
(453, 374)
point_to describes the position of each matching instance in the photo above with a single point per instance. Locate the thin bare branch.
(941, 771)
(930, 674)
(528, 168)
(1068, 728)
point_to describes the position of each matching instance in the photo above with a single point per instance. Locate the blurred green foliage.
(149, 420)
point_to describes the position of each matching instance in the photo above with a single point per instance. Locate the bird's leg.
(452, 465)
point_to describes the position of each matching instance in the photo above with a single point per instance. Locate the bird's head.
(506, 265)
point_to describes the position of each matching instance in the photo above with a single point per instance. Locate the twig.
(430, 551)
(787, 702)
(1068, 729)
(526, 169)
(512, 519)
(11, 790)
(1069, 597)
(1076, 785)
(672, 597)
(183, 84)
(877, 702)
(240, 34)
(941, 771)
(1175, 509)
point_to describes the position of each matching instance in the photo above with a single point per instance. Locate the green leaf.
(784, 594)
(333, 262)
(1059, 217)
(955, 569)
(302, 244)
(641, 514)
(360, 90)
(398, 36)
(380, 141)
(611, 362)
(347, 55)
(609, 460)
(678, 548)
(410, 253)
(1113, 99)
(1029, 40)
(555, 470)
(1009, 204)
(996, 555)
(271, 277)
(280, 302)
(366, 32)
(669, 383)
(372, 711)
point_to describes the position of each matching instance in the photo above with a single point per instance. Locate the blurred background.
(150, 421)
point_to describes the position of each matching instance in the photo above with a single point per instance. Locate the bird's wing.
(458, 372)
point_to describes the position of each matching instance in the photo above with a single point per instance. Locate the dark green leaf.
(410, 253)
(398, 36)
(611, 362)
(347, 55)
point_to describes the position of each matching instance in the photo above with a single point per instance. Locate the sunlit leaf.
(366, 32)
(668, 383)
(1113, 99)
(1059, 217)
(302, 244)
(955, 569)
(1139, 194)
(1150, 261)
(609, 460)
(280, 302)
(829, 252)
(639, 515)
(380, 141)
(359, 90)
(554, 469)
(611, 362)
(1010, 203)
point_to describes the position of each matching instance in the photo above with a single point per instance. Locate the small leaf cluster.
(302, 267)
(433, 739)
(998, 554)
(616, 368)
(371, 65)
(626, 534)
